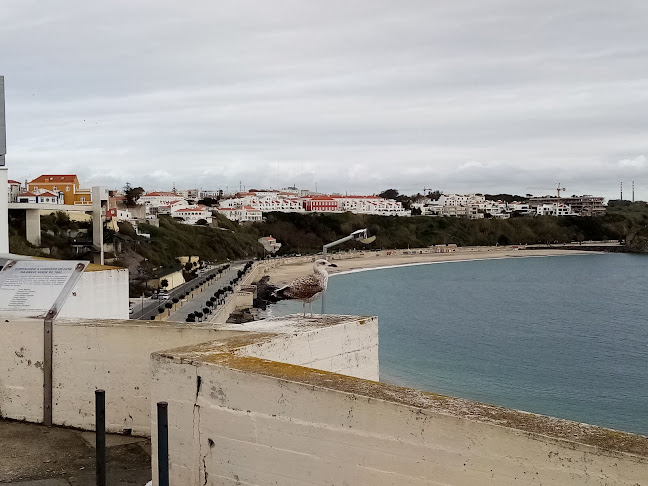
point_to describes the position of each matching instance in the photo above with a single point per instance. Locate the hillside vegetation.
(173, 239)
(308, 233)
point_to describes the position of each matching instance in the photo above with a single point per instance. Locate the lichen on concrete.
(228, 352)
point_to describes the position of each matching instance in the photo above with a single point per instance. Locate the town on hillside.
(194, 206)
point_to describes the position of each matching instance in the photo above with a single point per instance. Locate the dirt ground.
(30, 452)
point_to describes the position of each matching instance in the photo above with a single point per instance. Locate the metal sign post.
(3, 124)
(39, 288)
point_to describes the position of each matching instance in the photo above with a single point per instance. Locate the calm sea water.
(563, 336)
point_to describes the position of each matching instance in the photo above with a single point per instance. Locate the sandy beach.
(281, 274)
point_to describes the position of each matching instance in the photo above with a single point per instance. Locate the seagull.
(307, 288)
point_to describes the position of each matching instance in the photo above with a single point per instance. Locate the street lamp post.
(360, 235)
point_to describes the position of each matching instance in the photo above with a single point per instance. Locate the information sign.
(37, 288)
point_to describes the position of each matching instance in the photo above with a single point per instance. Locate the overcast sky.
(355, 96)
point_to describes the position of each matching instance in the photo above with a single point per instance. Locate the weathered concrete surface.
(31, 452)
(237, 417)
(99, 294)
(110, 354)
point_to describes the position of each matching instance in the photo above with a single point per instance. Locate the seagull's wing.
(301, 288)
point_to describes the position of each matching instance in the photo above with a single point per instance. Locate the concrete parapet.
(295, 400)
(111, 354)
(245, 411)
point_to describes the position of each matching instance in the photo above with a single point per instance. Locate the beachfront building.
(67, 184)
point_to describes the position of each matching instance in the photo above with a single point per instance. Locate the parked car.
(163, 295)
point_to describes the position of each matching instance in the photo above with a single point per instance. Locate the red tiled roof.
(11, 181)
(47, 194)
(51, 179)
(28, 194)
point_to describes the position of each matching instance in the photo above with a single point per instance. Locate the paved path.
(35, 455)
(151, 305)
(198, 302)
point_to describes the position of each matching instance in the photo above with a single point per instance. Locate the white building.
(119, 214)
(13, 189)
(371, 205)
(156, 200)
(460, 199)
(40, 196)
(265, 201)
(242, 214)
(269, 244)
(554, 209)
(192, 214)
(290, 202)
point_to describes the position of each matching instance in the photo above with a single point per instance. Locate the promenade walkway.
(151, 305)
(199, 299)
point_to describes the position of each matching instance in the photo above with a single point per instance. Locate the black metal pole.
(163, 443)
(100, 435)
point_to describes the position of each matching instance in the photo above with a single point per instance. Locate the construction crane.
(558, 189)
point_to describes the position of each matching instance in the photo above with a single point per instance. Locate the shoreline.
(366, 261)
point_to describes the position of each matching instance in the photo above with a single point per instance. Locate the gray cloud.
(489, 95)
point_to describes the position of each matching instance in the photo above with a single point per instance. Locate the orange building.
(67, 184)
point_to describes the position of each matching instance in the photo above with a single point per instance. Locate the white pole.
(4, 211)
(4, 184)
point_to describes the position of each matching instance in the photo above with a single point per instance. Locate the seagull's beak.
(332, 265)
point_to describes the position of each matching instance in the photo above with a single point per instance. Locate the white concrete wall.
(98, 295)
(113, 355)
(243, 425)
(21, 369)
(349, 348)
